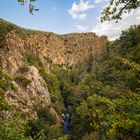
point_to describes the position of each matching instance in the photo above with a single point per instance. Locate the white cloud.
(78, 10)
(98, 1)
(81, 27)
(113, 30)
(82, 16)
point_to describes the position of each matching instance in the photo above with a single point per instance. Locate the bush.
(24, 81)
(31, 59)
(14, 87)
(13, 129)
(45, 123)
(54, 132)
(54, 89)
(5, 84)
(92, 136)
(24, 69)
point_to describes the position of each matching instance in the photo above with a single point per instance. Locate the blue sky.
(65, 16)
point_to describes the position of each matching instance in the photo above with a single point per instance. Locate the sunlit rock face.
(11, 53)
(26, 97)
(50, 51)
(66, 50)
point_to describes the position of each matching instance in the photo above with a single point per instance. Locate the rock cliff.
(35, 49)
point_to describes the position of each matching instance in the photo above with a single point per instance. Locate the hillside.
(21, 48)
(44, 75)
(52, 49)
(29, 57)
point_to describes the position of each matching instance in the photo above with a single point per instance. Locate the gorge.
(42, 74)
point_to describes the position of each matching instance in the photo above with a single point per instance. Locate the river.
(66, 124)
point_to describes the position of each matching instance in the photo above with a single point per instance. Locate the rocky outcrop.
(79, 46)
(36, 91)
(66, 50)
(50, 51)
(12, 53)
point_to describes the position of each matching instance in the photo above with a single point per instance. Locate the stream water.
(66, 124)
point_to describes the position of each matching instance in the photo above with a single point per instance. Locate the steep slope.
(52, 49)
(68, 49)
(28, 57)
(80, 46)
(31, 89)
(22, 49)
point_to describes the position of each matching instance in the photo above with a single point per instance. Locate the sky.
(67, 16)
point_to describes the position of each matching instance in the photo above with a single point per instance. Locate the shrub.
(31, 59)
(54, 132)
(24, 69)
(13, 129)
(54, 89)
(24, 81)
(5, 84)
(92, 136)
(14, 87)
(45, 124)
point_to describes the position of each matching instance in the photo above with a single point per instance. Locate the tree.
(32, 8)
(116, 8)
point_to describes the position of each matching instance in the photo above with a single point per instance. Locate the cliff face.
(49, 51)
(49, 48)
(66, 50)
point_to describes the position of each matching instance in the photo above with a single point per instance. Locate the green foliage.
(5, 84)
(91, 136)
(6, 27)
(45, 126)
(129, 39)
(44, 114)
(135, 54)
(13, 129)
(104, 104)
(14, 87)
(54, 132)
(116, 8)
(24, 69)
(110, 118)
(63, 138)
(90, 63)
(31, 59)
(23, 80)
(54, 89)
(32, 8)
